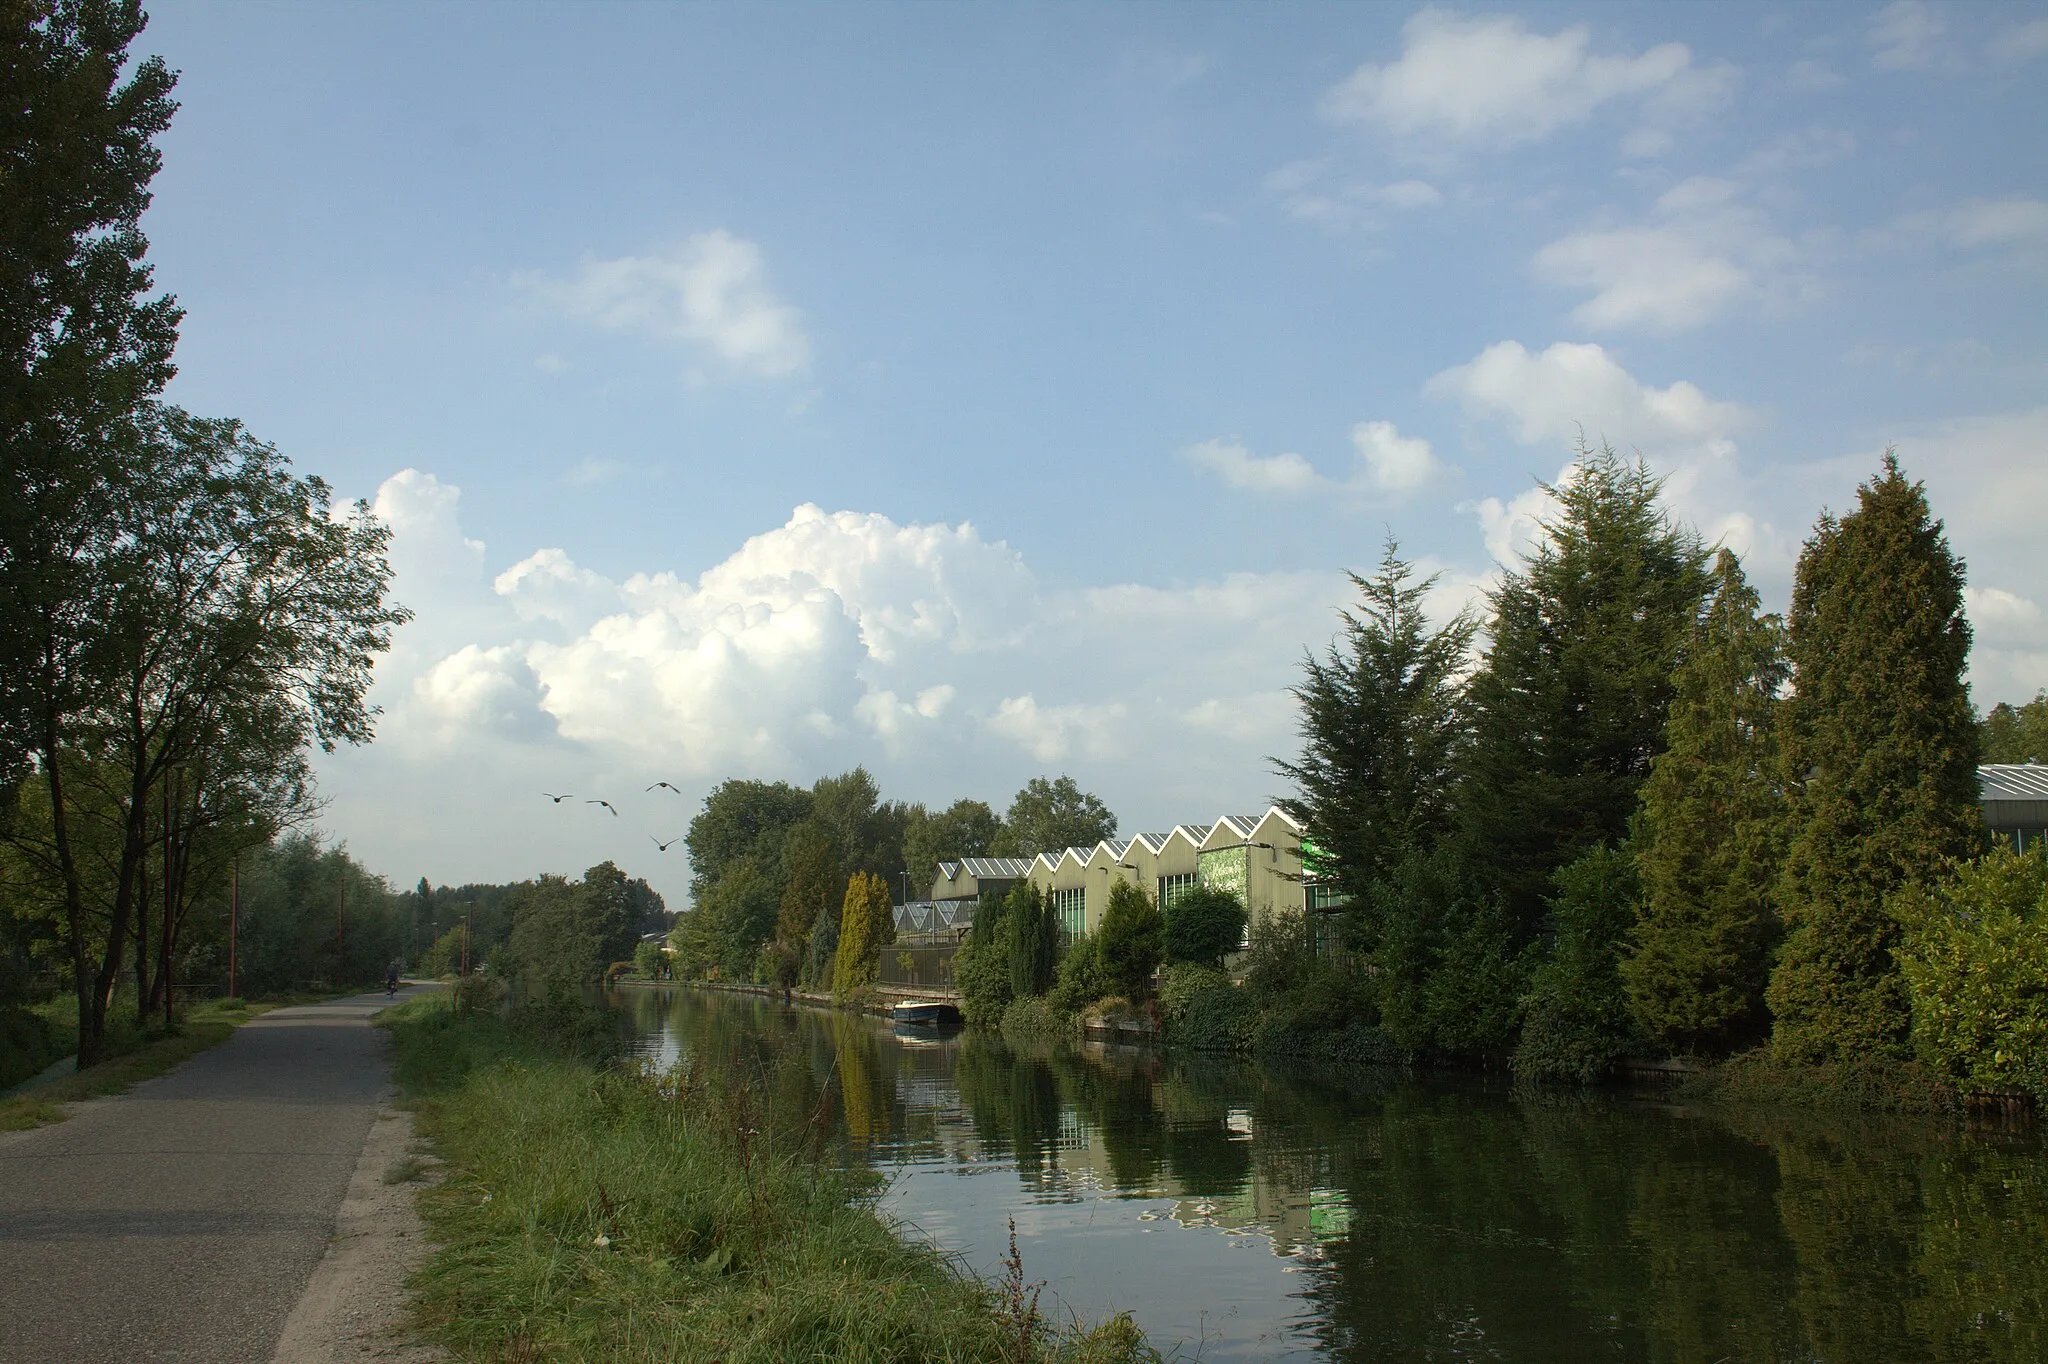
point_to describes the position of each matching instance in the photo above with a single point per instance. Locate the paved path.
(183, 1219)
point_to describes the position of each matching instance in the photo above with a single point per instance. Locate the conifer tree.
(816, 888)
(1382, 723)
(1882, 744)
(1708, 840)
(1033, 928)
(865, 928)
(1569, 708)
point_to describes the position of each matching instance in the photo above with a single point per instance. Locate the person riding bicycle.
(391, 979)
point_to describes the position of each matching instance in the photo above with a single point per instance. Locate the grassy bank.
(140, 1055)
(592, 1210)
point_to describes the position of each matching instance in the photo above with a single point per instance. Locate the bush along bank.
(593, 1207)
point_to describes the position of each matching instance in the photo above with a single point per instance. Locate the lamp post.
(234, 917)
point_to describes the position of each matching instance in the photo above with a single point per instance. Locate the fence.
(918, 966)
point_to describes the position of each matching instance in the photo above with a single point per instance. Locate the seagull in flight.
(664, 847)
(558, 799)
(606, 804)
(677, 789)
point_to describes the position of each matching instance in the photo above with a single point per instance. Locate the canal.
(1248, 1211)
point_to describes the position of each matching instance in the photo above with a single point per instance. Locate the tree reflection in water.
(1423, 1217)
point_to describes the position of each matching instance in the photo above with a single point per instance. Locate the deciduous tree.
(1048, 815)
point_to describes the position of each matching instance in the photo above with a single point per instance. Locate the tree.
(1577, 1022)
(1708, 838)
(1050, 815)
(1569, 707)
(1033, 931)
(1382, 723)
(1131, 939)
(966, 828)
(1882, 740)
(816, 888)
(2017, 734)
(1204, 925)
(240, 615)
(743, 821)
(81, 350)
(866, 926)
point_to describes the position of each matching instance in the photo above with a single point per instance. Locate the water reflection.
(1262, 1211)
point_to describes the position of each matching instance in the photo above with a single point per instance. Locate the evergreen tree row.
(1649, 816)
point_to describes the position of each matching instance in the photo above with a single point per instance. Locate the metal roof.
(1117, 847)
(997, 868)
(2012, 781)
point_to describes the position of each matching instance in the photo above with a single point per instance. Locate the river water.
(1248, 1211)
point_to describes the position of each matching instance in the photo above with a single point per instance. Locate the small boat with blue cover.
(927, 1013)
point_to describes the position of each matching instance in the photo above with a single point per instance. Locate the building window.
(1072, 907)
(1324, 896)
(1173, 888)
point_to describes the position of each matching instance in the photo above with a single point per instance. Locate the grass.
(595, 1210)
(137, 1054)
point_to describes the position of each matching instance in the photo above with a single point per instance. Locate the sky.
(975, 392)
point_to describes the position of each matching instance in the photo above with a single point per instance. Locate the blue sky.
(976, 391)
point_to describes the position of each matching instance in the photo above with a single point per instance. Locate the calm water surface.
(1253, 1211)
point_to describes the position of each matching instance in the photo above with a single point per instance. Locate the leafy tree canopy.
(2017, 734)
(1053, 814)
(1203, 925)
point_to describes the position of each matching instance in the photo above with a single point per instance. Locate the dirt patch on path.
(354, 1306)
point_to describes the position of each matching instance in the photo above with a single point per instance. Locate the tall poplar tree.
(1382, 725)
(1709, 839)
(1569, 708)
(1882, 745)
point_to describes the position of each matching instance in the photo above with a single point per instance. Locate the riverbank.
(591, 1209)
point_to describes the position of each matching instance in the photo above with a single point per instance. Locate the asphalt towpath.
(184, 1219)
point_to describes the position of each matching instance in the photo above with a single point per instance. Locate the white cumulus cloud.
(711, 292)
(1230, 461)
(1488, 81)
(1905, 35)
(1701, 249)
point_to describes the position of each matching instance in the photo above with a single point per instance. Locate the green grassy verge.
(142, 1056)
(596, 1211)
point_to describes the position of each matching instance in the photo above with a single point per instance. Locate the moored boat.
(927, 1013)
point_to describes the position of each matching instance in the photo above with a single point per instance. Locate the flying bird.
(677, 789)
(664, 847)
(558, 799)
(606, 804)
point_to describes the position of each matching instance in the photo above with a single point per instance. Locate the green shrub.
(1081, 981)
(1035, 1021)
(1975, 958)
(1130, 941)
(1578, 1022)
(1179, 985)
(981, 971)
(1218, 1018)
(1204, 925)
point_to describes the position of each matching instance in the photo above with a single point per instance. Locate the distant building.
(969, 878)
(2015, 797)
(1256, 857)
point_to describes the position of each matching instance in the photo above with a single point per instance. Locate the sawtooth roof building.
(2015, 797)
(1256, 857)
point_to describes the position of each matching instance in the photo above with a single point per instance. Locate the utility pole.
(341, 927)
(234, 917)
(465, 942)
